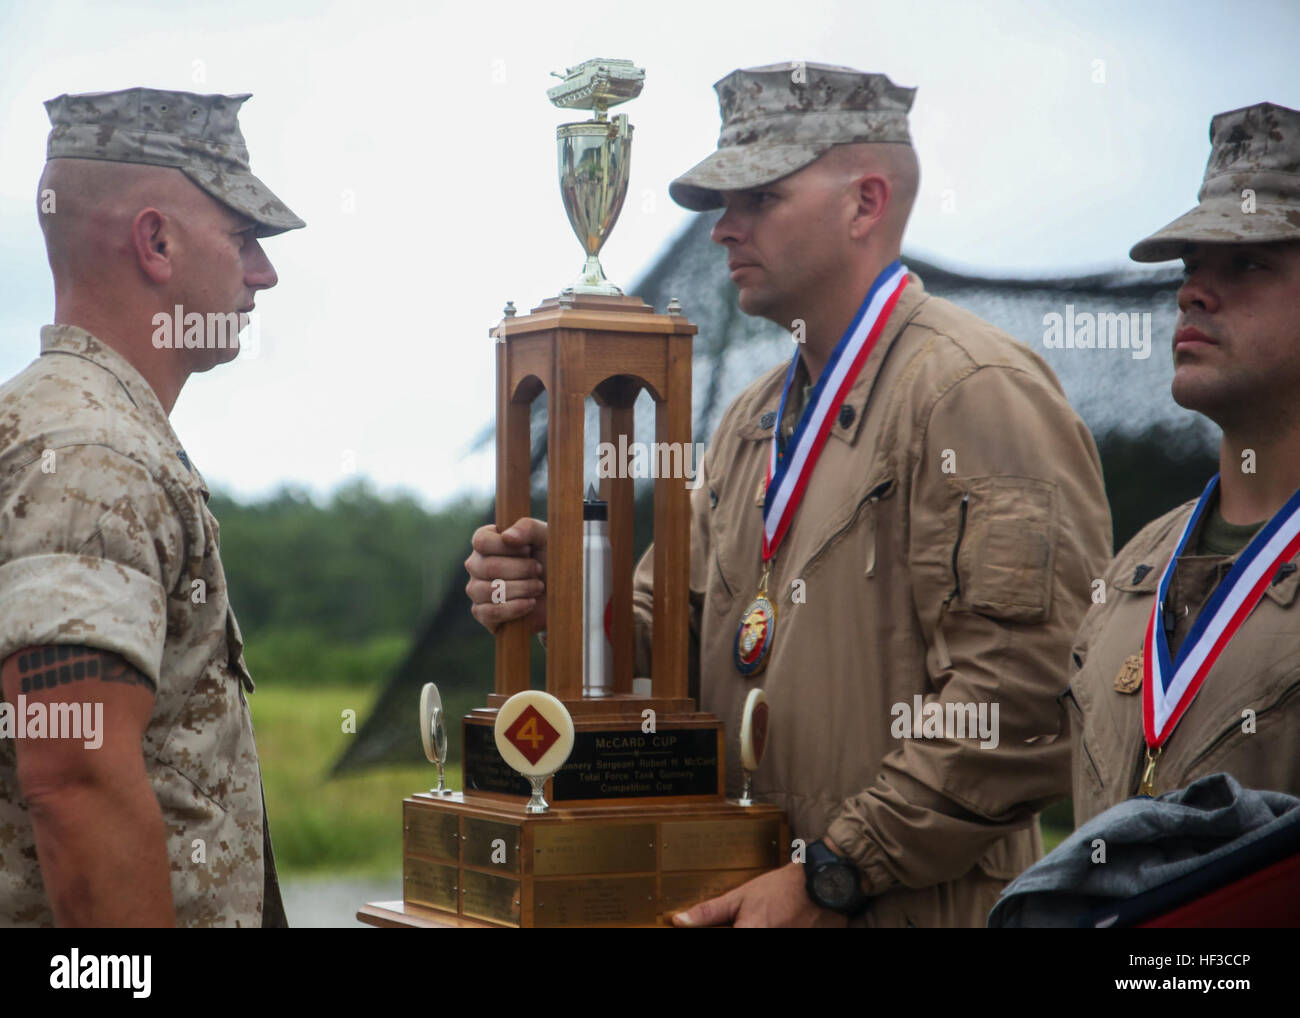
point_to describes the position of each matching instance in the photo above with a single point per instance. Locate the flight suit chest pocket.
(1005, 547)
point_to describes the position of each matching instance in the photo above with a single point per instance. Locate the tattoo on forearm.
(47, 667)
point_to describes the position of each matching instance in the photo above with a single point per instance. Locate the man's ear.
(873, 193)
(151, 239)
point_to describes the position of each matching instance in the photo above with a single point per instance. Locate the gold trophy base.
(473, 861)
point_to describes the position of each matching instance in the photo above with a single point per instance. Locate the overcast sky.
(417, 141)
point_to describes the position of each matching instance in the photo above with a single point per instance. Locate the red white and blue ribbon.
(788, 472)
(1170, 685)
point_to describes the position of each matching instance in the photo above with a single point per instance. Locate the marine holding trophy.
(901, 527)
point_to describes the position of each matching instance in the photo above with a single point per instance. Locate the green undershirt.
(1219, 537)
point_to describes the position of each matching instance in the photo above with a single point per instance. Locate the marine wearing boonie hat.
(1251, 190)
(197, 134)
(779, 118)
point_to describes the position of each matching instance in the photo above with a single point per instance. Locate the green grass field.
(349, 825)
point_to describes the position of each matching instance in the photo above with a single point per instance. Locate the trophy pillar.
(616, 398)
(513, 500)
(672, 558)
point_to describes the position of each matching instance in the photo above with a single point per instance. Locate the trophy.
(595, 157)
(602, 800)
(433, 734)
(753, 740)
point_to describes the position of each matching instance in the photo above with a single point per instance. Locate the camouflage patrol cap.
(1256, 148)
(779, 118)
(197, 134)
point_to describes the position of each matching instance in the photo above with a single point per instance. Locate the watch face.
(834, 884)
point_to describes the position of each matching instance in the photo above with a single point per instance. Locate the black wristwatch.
(832, 881)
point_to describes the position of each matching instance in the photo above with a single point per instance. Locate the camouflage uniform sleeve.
(91, 546)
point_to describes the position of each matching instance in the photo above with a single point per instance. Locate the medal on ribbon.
(1169, 685)
(754, 634)
(789, 469)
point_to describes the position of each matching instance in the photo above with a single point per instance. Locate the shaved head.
(895, 162)
(130, 244)
(95, 203)
(805, 248)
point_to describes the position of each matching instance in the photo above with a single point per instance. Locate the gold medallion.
(756, 629)
(754, 635)
(1129, 679)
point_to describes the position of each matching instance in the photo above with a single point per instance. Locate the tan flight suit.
(945, 549)
(1246, 718)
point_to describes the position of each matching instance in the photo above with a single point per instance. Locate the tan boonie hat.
(1253, 149)
(779, 118)
(197, 134)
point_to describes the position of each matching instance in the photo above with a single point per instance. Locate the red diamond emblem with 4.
(532, 734)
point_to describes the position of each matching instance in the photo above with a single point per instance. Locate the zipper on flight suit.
(940, 644)
(1219, 739)
(877, 493)
(873, 496)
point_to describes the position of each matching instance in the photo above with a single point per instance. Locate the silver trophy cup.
(595, 158)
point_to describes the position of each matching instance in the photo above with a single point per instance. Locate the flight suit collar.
(760, 415)
(1199, 573)
(76, 341)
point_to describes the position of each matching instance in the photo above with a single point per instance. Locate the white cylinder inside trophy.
(597, 585)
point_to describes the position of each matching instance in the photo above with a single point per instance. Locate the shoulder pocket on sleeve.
(1007, 554)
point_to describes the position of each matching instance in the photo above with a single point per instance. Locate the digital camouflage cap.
(197, 134)
(1251, 191)
(779, 118)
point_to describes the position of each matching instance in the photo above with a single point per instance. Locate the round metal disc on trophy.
(595, 157)
(433, 734)
(534, 735)
(753, 738)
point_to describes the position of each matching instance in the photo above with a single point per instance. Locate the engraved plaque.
(593, 848)
(721, 844)
(429, 883)
(614, 764)
(632, 764)
(480, 850)
(485, 896)
(485, 771)
(678, 891)
(431, 832)
(599, 901)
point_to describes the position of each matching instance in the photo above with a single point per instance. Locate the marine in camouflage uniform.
(111, 583)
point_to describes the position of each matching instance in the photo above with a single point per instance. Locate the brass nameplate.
(679, 891)
(490, 843)
(623, 901)
(593, 848)
(485, 896)
(721, 844)
(429, 883)
(431, 832)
